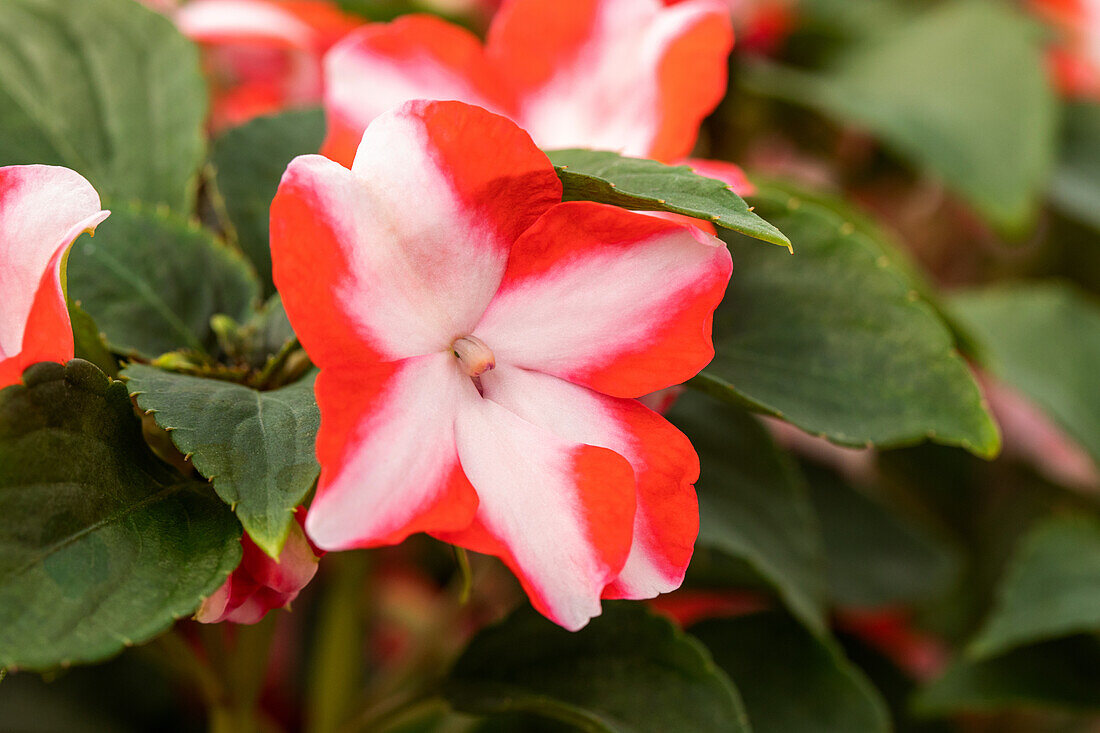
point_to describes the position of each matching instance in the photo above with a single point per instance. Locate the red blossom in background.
(1030, 435)
(262, 56)
(480, 353)
(42, 210)
(261, 584)
(1076, 56)
(625, 75)
(761, 24)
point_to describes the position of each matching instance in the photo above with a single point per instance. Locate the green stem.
(277, 362)
(238, 670)
(183, 659)
(336, 672)
(463, 561)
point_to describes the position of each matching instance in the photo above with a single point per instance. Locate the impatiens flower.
(481, 346)
(263, 56)
(1076, 58)
(260, 584)
(625, 75)
(42, 210)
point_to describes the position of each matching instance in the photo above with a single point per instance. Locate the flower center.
(475, 357)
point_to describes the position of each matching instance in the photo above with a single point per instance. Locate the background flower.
(42, 210)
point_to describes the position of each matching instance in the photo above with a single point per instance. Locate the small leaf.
(152, 282)
(753, 504)
(101, 545)
(837, 340)
(250, 160)
(1044, 340)
(792, 682)
(105, 87)
(1062, 674)
(646, 185)
(256, 447)
(874, 556)
(626, 671)
(1051, 587)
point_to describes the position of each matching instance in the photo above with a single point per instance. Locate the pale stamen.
(476, 358)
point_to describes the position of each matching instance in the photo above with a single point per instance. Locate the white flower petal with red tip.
(383, 65)
(626, 75)
(616, 301)
(559, 513)
(408, 247)
(42, 210)
(243, 21)
(665, 468)
(387, 451)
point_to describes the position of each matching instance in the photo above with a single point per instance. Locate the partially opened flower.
(263, 56)
(261, 584)
(42, 210)
(1076, 57)
(481, 345)
(627, 75)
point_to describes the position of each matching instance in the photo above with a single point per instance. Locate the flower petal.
(387, 452)
(385, 64)
(400, 255)
(616, 301)
(558, 513)
(626, 75)
(43, 209)
(665, 468)
(260, 22)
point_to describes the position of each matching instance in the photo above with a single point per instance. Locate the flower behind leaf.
(43, 209)
(261, 584)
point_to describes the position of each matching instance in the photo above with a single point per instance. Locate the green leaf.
(1051, 587)
(628, 670)
(107, 88)
(646, 185)
(837, 341)
(874, 557)
(753, 504)
(256, 447)
(250, 160)
(791, 681)
(101, 545)
(1058, 674)
(270, 329)
(88, 343)
(1044, 340)
(963, 65)
(152, 282)
(1075, 188)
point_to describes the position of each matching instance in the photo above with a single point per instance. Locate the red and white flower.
(261, 584)
(263, 56)
(1076, 58)
(481, 346)
(43, 209)
(627, 75)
